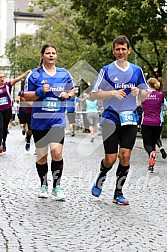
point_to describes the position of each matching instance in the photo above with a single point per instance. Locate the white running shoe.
(43, 193)
(58, 193)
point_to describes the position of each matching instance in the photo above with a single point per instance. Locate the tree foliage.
(23, 53)
(143, 22)
(58, 28)
(84, 30)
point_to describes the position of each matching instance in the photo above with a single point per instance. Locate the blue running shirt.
(71, 104)
(48, 111)
(112, 77)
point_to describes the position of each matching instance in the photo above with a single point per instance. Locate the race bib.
(51, 104)
(128, 118)
(3, 101)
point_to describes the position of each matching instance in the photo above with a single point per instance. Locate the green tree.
(85, 31)
(143, 22)
(58, 28)
(23, 53)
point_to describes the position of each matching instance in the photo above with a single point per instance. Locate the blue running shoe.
(4, 147)
(27, 147)
(119, 199)
(96, 191)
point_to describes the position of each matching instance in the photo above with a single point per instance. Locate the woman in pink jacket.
(151, 120)
(6, 106)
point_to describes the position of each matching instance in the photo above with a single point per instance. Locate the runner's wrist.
(140, 92)
(69, 97)
(39, 92)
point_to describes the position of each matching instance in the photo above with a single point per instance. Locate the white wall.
(3, 25)
(25, 26)
(11, 26)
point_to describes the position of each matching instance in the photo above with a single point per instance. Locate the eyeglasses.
(2, 77)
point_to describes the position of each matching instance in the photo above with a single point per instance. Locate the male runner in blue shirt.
(117, 85)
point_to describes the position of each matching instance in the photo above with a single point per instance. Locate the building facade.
(15, 19)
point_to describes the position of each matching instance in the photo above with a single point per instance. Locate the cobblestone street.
(82, 222)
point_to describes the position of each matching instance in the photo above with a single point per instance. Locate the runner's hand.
(120, 94)
(64, 95)
(135, 91)
(46, 87)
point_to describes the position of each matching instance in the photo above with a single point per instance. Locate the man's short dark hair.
(121, 40)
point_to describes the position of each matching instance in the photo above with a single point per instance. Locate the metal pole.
(14, 72)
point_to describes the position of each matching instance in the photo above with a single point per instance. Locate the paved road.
(82, 222)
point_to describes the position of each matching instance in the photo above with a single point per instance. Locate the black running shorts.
(44, 137)
(115, 135)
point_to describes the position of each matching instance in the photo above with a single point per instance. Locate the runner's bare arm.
(101, 94)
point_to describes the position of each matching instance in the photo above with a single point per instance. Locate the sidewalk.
(82, 222)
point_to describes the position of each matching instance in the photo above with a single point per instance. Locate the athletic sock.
(42, 172)
(28, 138)
(121, 174)
(102, 175)
(159, 143)
(57, 170)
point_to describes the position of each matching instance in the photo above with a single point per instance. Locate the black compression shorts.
(115, 135)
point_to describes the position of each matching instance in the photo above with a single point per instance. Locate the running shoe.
(58, 193)
(43, 193)
(151, 169)
(1, 150)
(27, 146)
(163, 153)
(96, 191)
(151, 161)
(4, 147)
(92, 140)
(120, 199)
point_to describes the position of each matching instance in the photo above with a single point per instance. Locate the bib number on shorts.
(128, 118)
(3, 100)
(51, 104)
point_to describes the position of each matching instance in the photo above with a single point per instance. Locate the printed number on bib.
(3, 100)
(128, 118)
(51, 104)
